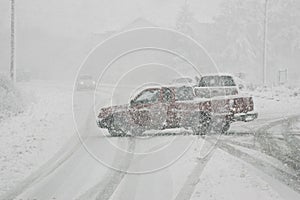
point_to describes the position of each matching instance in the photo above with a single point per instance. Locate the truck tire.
(225, 128)
(203, 126)
(118, 126)
(201, 130)
(116, 133)
(221, 127)
(137, 130)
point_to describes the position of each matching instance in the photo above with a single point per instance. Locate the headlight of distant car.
(94, 83)
(81, 82)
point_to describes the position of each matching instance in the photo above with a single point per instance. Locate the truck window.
(184, 93)
(216, 81)
(148, 96)
(167, 95)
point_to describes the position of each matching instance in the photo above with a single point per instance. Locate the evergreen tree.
(184, 19)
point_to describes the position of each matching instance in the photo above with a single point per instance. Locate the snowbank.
(227, 177)
(11, 99)
(32, 137)
(275, 102)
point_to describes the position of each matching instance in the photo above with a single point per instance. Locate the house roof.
(138, 23)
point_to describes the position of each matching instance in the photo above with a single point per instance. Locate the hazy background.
(53, 37)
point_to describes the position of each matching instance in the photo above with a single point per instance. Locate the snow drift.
(11, 99)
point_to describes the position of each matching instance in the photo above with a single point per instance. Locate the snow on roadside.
(266, 158)
(12, 102)
(34, 136)
(227, 177)
(276, 102)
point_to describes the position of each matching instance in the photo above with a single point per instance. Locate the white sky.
(81, 17)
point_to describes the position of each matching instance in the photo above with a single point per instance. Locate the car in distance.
(85, 82)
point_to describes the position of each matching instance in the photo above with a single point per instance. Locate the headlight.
(94, 83)
(81, 82)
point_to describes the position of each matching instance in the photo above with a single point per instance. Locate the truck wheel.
(203, 127)
(225, 128)
(118, 126)
(221, 127)
(116, 133)
(137, 130)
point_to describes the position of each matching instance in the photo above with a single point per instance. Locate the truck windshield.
(216, 81)
(148, 96)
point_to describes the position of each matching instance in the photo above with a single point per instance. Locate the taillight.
(250, 104)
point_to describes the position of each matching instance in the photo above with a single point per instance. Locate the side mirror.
(131, 102)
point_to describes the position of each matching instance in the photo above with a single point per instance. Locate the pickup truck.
(180, 106)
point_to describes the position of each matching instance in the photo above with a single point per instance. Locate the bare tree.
(184, 20)
(243, 25)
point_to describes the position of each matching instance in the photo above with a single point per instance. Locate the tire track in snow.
(271, 148)
(116, 177)
(51, 165)
(290, 180)
(293, 145)
(131, 188)
(105, 188)
(246, 145)
(110, 183)
(189, 186)
(262, 136)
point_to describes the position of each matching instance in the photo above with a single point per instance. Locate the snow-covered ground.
(270, 104)
(227, 177)
(276, 102)
(32, 137)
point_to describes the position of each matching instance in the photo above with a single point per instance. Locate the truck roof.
(157, 87)
(218, 74)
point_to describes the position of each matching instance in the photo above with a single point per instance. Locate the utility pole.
(12, 70)
(265, 43)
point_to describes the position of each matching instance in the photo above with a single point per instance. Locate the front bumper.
(103, 123)
(245, 117)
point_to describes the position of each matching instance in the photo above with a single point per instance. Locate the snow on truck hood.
(104, 112)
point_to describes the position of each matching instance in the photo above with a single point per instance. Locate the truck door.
(158, 111)
(169, 108)
(145, 108)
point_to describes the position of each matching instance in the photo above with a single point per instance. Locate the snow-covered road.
(245, 164)
(226, 173)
